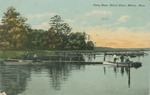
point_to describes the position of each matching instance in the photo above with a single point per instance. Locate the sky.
(108, 26)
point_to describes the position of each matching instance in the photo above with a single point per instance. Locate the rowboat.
(15, 62)
(131, 64)
(116, 64)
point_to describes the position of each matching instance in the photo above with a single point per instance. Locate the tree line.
(16, 34)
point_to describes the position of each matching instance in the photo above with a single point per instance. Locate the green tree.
(51, 40)
(59, 26)
(3, 42)
(14, 29)
(61, 30)
(90, 45)
(76, 41)
(36, 39)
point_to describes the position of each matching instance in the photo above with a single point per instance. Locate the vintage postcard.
(74, 47)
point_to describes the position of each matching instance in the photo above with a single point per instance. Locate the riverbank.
(17, 62)
(20, 54)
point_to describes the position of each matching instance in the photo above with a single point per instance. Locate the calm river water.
(76, 79)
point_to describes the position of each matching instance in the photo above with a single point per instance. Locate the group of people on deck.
(2, 93)
(122, 58)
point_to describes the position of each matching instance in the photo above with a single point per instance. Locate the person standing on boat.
(2, 93)
(122, 58)
(115, 57)
(127, 59)
(35, 57)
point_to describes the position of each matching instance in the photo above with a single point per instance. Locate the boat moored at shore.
(129, 64)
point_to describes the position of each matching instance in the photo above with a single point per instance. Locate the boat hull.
(131, 64)
(16, 63)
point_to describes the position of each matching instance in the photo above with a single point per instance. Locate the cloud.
(120, 37)
(69, 21)
(124, 18)
(80, 21)
(44, 26)
(148, 24)
(98, 12)
(40, 16)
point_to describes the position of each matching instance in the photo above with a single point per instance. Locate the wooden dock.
(70, 57)
(129, 53)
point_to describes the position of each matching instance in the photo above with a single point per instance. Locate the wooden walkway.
(135, 53)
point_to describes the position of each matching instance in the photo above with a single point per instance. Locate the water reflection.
(122, 70)
(127, 70)
(13, 80)
(59, 72)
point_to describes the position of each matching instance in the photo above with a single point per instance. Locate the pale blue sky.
(81, 13)
(82, 16)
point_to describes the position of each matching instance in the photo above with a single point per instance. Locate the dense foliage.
(15, 34)
(14, 30)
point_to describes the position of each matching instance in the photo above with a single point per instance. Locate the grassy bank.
(18, 54)
(15, 54)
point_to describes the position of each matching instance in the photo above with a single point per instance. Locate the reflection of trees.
(90, 57)
(60, 72)
(37, 69)
(13, 79)
(122, 71)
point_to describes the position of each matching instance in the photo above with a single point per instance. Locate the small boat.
(15, 62)
(38, 63)
(124, 64)
(116, 64)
